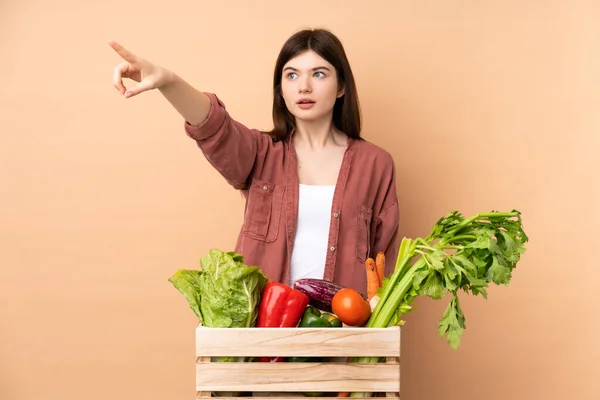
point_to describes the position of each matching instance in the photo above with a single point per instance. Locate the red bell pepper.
(280, 307)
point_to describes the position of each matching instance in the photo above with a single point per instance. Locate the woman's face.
(309, 86)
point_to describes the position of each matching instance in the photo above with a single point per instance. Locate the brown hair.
(346, 112)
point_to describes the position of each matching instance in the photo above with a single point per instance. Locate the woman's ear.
(341, 92)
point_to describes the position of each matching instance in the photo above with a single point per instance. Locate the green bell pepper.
(313, 318)
(333, 320)
(310, 320)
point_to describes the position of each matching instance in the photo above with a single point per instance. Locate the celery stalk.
(458, 254)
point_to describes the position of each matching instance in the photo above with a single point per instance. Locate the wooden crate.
(383, 378)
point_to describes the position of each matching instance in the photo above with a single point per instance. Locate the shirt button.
(336, 215)
(265, 187)
(332, 248)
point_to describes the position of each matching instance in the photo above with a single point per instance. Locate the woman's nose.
(304, 86)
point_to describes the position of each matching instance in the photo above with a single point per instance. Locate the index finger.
(124, 53)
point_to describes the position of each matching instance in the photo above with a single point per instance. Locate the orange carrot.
(380, 267)
(372, 278)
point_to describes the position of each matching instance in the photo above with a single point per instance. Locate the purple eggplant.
(319, 291)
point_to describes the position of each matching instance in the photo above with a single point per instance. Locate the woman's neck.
(317, 134)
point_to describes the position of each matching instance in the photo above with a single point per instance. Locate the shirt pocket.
(363, 233)
(263, 212)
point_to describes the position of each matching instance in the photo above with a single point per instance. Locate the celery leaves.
(459, 253)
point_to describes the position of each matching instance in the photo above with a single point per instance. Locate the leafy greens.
(459, 253)
(225, 293)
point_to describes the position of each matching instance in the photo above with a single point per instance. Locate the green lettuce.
(225, 293)
(187, 281)
(231, 291)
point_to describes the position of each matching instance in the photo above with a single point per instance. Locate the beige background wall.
(484, 105)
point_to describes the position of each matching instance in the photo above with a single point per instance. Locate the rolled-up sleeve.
(229, 146)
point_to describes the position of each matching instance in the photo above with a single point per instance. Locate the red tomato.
(350, 307)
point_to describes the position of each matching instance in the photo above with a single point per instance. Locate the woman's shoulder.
(369, 150)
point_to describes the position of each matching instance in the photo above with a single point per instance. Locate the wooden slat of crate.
(297, 377)
(298, 342)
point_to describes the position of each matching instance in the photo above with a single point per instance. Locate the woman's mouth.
(305, 104)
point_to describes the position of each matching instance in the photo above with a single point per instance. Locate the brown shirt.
(364, 211)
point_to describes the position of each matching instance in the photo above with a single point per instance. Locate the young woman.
(319, 198)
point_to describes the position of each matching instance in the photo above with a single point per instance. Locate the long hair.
(346, 111)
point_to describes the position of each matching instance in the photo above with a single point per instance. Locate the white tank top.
(312, 232)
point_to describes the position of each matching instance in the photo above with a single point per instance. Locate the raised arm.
(192, 104)
(228, 145)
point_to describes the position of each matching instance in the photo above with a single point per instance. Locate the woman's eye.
(291, 75)
(319, 74)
